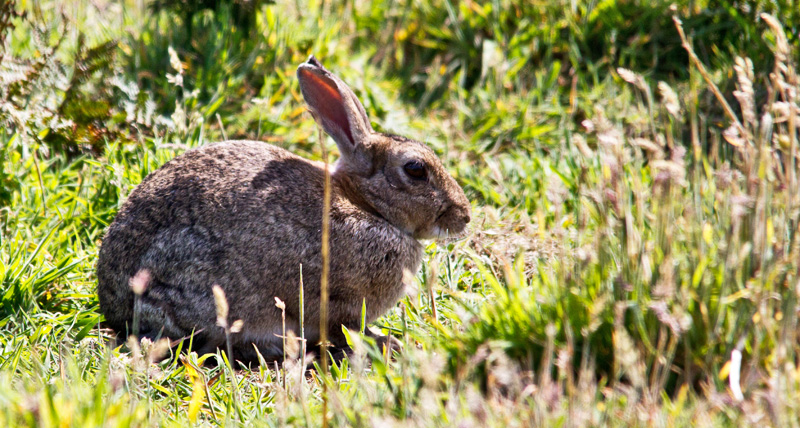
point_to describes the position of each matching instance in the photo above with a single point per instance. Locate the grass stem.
(323, 304)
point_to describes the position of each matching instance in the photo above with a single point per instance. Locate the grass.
(633, 257)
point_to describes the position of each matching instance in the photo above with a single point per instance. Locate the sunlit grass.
(627, 243)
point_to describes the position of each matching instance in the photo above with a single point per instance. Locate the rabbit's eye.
(415, 170)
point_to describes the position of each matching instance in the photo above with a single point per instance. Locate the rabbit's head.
(399, 179)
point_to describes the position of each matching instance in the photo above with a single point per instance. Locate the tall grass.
(634, 257)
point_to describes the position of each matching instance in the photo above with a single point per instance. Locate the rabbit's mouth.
(450, 223)
(443, 235)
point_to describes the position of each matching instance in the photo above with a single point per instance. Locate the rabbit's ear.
(336, 107)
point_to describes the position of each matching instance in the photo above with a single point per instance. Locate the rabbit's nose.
(465, 218)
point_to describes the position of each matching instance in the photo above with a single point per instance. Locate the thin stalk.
(302, 324)
(433, 276)
(282, 307)
(306, 414)
(137, 310)
(229, 347)
(791, 162)
(323, 284)
(138, 285)
(222, 128)
(707, 77)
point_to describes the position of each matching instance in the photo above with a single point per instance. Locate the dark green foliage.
(623, 248)
(242, 13)
(461, 38)
(225, 61)
(29, 283)
(72, 119)
(87, 102)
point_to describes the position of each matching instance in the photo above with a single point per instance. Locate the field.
(633, 258)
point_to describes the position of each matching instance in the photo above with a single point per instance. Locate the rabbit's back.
(245, 215)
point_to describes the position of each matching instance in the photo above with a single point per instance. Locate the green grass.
(626, 244)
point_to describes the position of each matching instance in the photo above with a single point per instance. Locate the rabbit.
(245, 215)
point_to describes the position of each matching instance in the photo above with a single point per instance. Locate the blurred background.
(504, 73)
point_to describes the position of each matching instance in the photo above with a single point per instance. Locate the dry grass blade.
(323, 301)
(707, 77)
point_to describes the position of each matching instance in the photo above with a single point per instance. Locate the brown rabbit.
(245, 215)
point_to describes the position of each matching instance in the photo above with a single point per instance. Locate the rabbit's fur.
(245, 215)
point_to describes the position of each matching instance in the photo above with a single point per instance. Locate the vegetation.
(634, 259)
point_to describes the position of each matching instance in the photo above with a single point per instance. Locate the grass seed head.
(221, 305)
(292, 345)
(782, 50)
(745, 93)
(140, 281)
(632, 78)
(156, 351)
(671, 101)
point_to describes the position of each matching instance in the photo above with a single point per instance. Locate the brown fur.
(245, 215)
